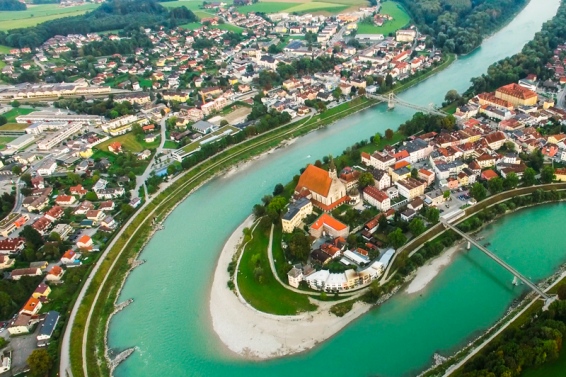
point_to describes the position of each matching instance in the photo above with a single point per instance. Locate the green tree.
(15, 103)
(366, 179)
(511, 181)
(91, 196)
(478, 192)
(6, 305)
(39, 362)
(432, 214)
(417, 227)
(561, 291)
(278, 189)
(446, 194)
(547, 174)
(74, 178)
(223, 123)
(396, 238)
(275, 207)
(377, 139)
(389, 134)
(529, 177)
(414, 173)
(32, 236)
(3, 120)
(495, 185)
(299, 246)
(17, 170)
(336, 93)
(126, 209)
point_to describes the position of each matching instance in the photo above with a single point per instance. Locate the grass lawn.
(14, 126)
(190, 4)
(12, 114)
(371, 147)
(5, 49)
(228, 27)
(170, 144)
(203, 14)
(36, 14)
(268, 296)
(191, 26)
(129, 142)
(4, 141)
(395, 10)
(146, 83)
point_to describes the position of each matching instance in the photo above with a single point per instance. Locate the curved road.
(65, 363)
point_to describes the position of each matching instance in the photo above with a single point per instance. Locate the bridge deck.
(499, 260)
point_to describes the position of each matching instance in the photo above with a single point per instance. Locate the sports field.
(393, 9)
(36, 14)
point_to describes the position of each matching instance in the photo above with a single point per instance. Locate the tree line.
(532, 59)
(12, 5)
(459, 26)
(111, 15)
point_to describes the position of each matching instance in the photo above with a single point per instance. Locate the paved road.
(140, 180)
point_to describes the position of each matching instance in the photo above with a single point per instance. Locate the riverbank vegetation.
(531, 60)
(460, 26)
(256, 282)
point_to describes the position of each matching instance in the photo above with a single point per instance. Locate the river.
(169, 320)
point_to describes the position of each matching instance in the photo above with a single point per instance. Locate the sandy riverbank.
(426, 273)
(255, 335)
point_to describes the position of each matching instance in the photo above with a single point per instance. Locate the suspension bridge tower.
(391, 101)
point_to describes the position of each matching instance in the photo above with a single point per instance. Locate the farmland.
(393, 9)
(4, 49)
(36, 14)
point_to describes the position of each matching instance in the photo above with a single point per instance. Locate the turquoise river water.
(169, 321)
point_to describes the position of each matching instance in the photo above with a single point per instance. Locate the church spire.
(332, 169)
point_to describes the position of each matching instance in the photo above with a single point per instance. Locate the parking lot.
(21, 346)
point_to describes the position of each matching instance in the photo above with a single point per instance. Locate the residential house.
(376, 198)
(55, 274)
(410, 188)
(85, 243)
(69, 257)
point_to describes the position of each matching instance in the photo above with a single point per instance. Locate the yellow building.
(517, 95)
(295, 214)
(86, 153)
(42, 290)
(410, 188)
(176, 96)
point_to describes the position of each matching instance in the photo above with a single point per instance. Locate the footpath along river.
(169, 321)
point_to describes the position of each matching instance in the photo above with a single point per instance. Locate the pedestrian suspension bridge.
(392, 100)
(547, 298)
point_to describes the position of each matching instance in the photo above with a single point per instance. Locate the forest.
(459, 26)
(532, 59)
(10, 5)
(111, 15)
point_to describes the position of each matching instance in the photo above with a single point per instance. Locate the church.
(325, 190)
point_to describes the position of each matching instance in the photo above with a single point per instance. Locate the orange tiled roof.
(315, 179)
(329, 221)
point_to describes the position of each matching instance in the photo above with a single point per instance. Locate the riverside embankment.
(169, 320)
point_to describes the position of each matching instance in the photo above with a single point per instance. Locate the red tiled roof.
(329, 221)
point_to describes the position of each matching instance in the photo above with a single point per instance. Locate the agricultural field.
(36, 14)
(228, 27)
(301, 6)
(203, 14)
(395, 10)
(4, 49)
(189, 4)
(129, 143)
